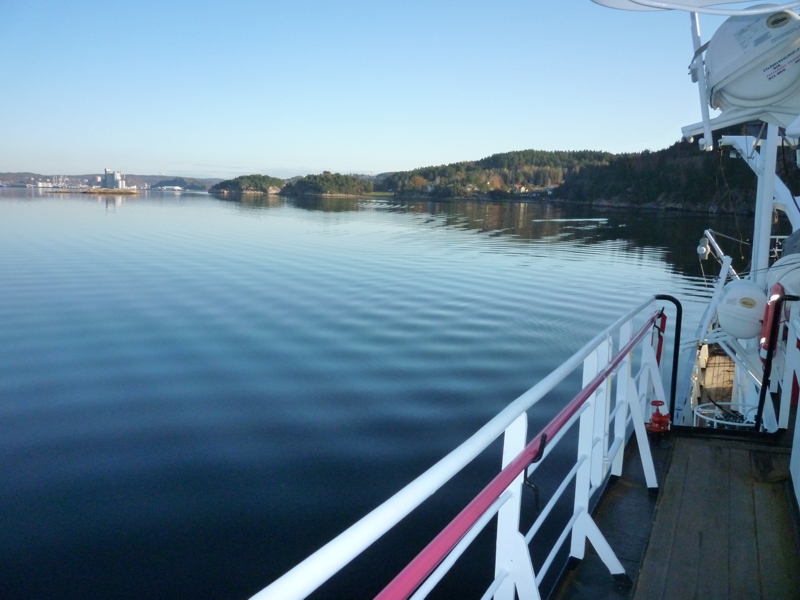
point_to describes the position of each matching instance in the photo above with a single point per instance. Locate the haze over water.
(195, 393)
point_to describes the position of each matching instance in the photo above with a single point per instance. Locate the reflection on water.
(251, 201)
(330, 204)
(196, 393)
(674, 233)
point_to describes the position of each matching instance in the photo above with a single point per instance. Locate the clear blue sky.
(291, 87)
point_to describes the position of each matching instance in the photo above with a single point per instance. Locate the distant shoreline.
(303, 195)
(618, 203)
(126, 192)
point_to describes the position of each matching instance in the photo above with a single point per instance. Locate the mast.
(699, 76)
(764, 198)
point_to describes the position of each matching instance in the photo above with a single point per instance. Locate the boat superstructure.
(749, 71)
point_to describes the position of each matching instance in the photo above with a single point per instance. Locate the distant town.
(109, 179)
(112, 180)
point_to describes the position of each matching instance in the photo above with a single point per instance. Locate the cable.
(734, 417)
(703, 271)
(722, 235)
(733, 209)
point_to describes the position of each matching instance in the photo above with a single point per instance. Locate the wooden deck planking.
(723, 526)
(715, 535)
(686, 552)
(659, 549)
(778, 569)
(717, 382)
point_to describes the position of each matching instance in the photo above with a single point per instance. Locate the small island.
(324, 184)
(328, 184)
(249, 184)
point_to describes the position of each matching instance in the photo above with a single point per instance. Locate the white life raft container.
(740, 311)
(754, 61)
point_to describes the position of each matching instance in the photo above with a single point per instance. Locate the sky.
(283, 88)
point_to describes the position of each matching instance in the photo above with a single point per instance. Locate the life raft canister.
(741, 309)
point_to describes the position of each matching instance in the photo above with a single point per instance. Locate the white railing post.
(585, 528)
(644, 386)
(584, 475)
(514, 442)
(650, 367)
(602, 406)
(621, 418)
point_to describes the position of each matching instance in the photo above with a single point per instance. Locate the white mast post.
(764, 196)
(700, 73)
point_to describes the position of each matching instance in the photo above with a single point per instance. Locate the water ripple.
(173, 373)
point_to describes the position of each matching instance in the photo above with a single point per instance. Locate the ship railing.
(604, 427)
(758, 377)
(782, 360)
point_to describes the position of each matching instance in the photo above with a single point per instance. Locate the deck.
(724, 525)
(717, 379)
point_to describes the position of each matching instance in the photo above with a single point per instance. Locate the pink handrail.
(404, 584)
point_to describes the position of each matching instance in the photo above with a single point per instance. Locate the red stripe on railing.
(404, 584)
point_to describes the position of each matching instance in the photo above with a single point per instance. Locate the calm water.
(195, 393)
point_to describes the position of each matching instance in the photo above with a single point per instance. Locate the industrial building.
(113, 180)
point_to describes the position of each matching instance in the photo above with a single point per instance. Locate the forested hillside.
(680, 176)
(509, 171)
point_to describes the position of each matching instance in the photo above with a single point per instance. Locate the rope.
(730, 202)
(703, 271)
(722, 235)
